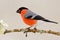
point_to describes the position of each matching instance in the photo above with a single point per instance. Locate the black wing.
(40, 18)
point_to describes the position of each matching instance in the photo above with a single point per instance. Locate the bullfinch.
(30, 18)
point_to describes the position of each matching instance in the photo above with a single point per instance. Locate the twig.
(33, 30)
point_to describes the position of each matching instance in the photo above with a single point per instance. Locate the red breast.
(29, 22)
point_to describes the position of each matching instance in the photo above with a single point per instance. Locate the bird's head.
(20, 9)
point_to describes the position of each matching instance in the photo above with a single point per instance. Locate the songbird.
(30, 18)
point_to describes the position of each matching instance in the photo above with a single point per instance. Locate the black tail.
(38, 17)
(50, 21)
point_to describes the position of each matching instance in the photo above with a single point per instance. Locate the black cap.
(20, 9)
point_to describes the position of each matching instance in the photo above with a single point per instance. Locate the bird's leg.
(35, 27)
(28, 29)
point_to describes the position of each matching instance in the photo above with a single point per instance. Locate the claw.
(35, 28)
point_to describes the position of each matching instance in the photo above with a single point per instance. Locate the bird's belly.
(29, 21)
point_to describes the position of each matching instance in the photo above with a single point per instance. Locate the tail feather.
(50, 21)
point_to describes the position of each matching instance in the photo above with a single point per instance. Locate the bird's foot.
(27, 29)
(35, 29)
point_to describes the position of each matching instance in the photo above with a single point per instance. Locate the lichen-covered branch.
(33, 30)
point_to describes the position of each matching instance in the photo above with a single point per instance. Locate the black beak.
(18, 11)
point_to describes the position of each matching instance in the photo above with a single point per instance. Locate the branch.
(33, 30)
